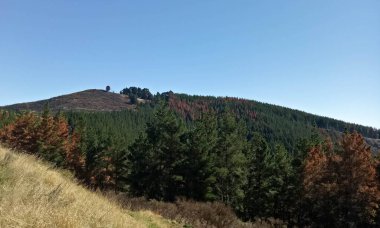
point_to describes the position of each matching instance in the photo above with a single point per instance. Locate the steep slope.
(33, 194)
(88, 100)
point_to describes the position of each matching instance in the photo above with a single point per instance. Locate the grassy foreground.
(33, 194)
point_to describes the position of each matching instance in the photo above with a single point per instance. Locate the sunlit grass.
(33, 194)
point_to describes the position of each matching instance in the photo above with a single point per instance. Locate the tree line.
(136, 92)
(216, 158)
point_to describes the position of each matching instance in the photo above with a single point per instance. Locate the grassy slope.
(32, 194)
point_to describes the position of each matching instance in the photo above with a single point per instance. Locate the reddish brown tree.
(22, 134)
(341, 187)
(47, 136)
(74, 158)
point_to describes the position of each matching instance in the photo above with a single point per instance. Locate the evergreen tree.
(133, 99)
(298, 207)
(157, 158)
(230, 162)
(256, 192)
(75, 156)
(122, 170)
(280, 187)
(201, 142)
(99, 163)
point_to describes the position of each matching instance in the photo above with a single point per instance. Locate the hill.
(88, 100)
(250, 156)
(34, 194)
(114, 115)
(275, 123)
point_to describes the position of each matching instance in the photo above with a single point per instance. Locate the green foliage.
(137, 92)
(99, 167)
(157, 158)
(198, 165)
(255, 202)
(229, 161)
(246, 154)
(121, 127)
(274, 123)
(280, 183)
(270, 187)
(6, 117)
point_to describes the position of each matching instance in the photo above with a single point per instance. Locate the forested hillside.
(275, 123)
(126, 120)
(260, 160)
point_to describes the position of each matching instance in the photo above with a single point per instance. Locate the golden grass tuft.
(33, 194)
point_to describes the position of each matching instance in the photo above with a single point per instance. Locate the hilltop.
(34, 194)
(87, 100)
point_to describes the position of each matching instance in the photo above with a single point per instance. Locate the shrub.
(193, 214)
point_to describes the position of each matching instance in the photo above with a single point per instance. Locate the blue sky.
(319, 56)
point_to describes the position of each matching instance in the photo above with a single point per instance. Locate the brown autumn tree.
(22, 134)
(69, 143)
(101, 171)
(48, 137)
(51, 140)
(341, 187)
(74, 158)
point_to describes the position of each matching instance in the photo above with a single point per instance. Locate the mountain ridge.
(275, 122)
(101, 100)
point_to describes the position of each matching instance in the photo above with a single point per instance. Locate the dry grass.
(33, 194)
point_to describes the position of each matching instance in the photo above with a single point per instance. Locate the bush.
(193, 214)
(196, 214)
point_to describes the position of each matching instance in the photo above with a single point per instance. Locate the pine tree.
(74, 155)
(279, 183)
(230, 162)
(256, 198)
(122, 170)
(21, 134)
(100, 168)
(359, 189)
(201, 142)
(341, 187)
(52, 138)
(298, 205)
(157, 158)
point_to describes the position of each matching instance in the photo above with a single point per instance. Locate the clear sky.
(320, 56)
